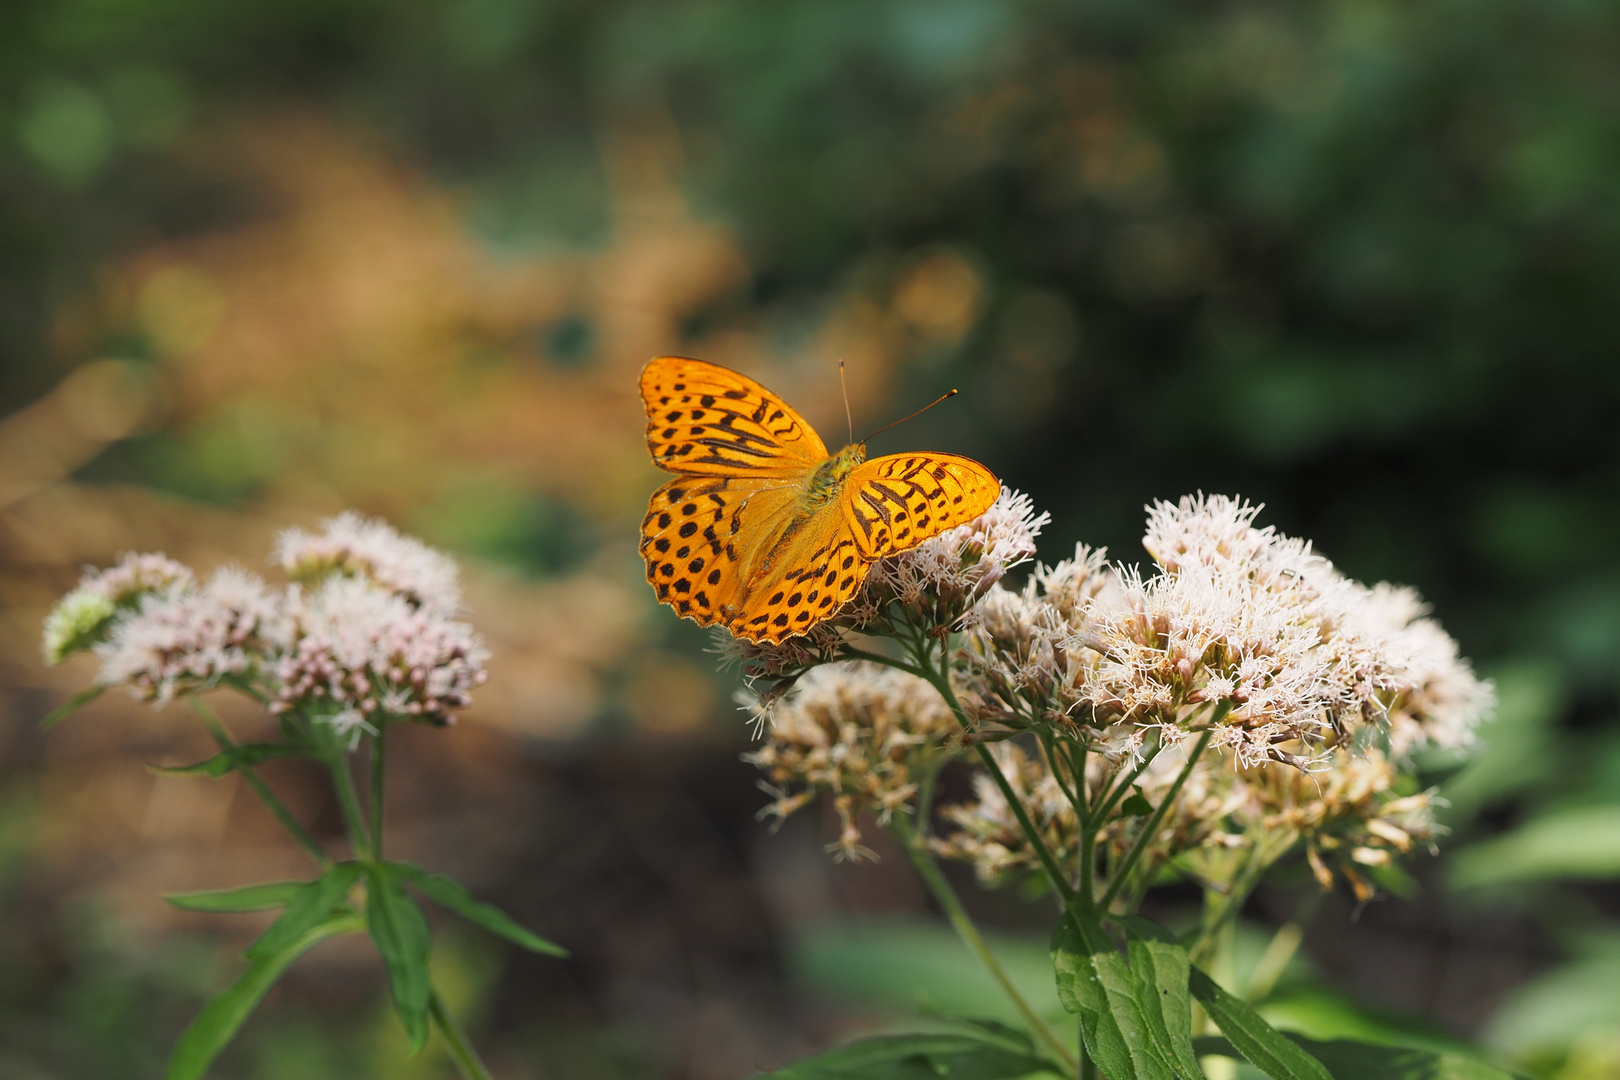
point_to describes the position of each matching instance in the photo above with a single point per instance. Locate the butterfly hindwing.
(895, 502)
(703, 419)
(694, 542)
(810, 574)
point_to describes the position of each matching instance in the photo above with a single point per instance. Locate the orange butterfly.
(762, 531)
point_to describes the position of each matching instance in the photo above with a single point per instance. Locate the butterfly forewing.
(895, 502)
(703, 419)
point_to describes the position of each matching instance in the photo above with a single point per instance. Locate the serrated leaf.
(1114, 1004)
(920, 1057)
(247, 755)
(71, 705)
(1263, 1045)
(226, 1011)
(272, 894)
(400, 931)
(453, 895)
(1159, 959)
(1346, 1059)
(313, 902)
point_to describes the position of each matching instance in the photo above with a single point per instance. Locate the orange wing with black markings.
(706, 420)
(762, 532)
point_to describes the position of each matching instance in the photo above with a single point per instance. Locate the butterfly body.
(762, 531)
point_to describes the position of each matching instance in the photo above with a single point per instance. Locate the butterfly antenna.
(947, 394)
(848, 416)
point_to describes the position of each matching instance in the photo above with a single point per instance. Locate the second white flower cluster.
(365, 631)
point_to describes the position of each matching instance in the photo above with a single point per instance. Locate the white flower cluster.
(368, 635)
(854, 730)
(188, 636)
(357, 649)
(1315, 689)
(80, 617)
(365, 547)
(1297, 654)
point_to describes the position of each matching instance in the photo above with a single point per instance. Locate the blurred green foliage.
(1357, 259)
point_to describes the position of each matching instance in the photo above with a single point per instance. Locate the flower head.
(857, 731)
(353, 545)
(188, 636)
(81, 619)
(357, 651)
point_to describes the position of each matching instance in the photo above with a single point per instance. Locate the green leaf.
(71, 705)
(219, 1020)
(272, 894)
(245, 756)
(1159, 960)
(1578, 843)
(454, 895)
(1135, 805)
(1345, 1059)
(400, 931)
(1119, 1009)
(313, 902)
(921, 1057)
(1265, 1047)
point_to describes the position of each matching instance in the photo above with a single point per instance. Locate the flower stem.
(378, 749)
(1143, 841)
(929, 870)
(276, 807)
(941, 679)
(349, 804)
(456, 1041)
(1088, 1068)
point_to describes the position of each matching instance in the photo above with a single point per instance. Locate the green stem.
(849, 652)
(1112, 793)
(1075, 797)
(378, 749)
(941, 680)
(276, 807)
(969, 933)
(1088, 1068)
(1145, 840)
(456, 1041)
(349, 804)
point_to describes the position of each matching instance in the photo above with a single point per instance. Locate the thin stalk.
(1059, 882)
(969, 933)
(850, 653)
(276, 807)
(1088, 1068)
(1113, 792)
(1069, 793)
(940, 678)
(1123, 872)
(456, 1041)
(378, 749)
(349, 803)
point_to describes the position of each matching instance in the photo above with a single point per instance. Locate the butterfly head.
(828, 480)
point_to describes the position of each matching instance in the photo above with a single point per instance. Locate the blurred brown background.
(265, 263)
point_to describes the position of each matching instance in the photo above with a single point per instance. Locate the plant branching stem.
(456, 1041)
(929, 870)
(1123, 872)
(277, 808)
